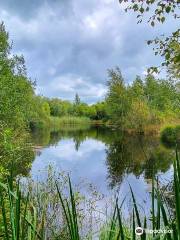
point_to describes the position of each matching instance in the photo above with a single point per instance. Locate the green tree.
(19, 106)
(16, 90)
(118, 103)
(101, 111)
(137, 88)
(166, 46)
(161, 94)
(77, 99)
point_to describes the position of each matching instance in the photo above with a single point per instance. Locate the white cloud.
(69, 45)
(71, 84)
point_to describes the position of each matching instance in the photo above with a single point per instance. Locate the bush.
(170, 136)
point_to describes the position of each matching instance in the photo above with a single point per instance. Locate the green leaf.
(162, 19)
(168, 9)
(141, 10)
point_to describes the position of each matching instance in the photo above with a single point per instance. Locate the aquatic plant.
(21, 219)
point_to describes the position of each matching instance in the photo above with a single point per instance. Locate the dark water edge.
(107, 158)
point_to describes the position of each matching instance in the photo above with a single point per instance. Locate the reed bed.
(69, 120)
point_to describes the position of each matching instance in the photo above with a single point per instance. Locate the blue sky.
(68, 45)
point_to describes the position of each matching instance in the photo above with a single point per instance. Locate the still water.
(106, 158)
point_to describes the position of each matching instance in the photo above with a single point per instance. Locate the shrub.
(170, 135)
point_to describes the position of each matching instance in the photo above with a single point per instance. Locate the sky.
(69, 45)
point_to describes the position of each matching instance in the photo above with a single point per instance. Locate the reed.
(19, 218)
(69, 120)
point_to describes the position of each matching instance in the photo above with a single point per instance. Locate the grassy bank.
(69, 120)
(56, 123)
(148, 129)
(54, 212)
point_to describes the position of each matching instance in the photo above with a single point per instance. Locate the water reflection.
(137, 155)
(101, 155)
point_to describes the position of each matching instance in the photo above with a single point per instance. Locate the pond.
(104, 157)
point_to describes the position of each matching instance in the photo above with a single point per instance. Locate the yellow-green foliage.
(68, 120)
(145, 102)
(16, 153)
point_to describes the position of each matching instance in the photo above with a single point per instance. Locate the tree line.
(135, 105)
(148, 101)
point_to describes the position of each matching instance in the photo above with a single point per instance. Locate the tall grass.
(19, 219)
(58, 122)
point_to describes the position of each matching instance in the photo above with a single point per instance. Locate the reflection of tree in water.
(125, 153)
(136, 155)
(159, 160)
(47, 137)
(77, 144)
(41, 137)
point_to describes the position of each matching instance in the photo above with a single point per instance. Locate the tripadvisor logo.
(139, 231)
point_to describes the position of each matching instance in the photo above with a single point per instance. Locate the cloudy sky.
(68, 45)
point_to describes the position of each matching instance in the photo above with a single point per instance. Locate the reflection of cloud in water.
(86, 163)
(97, 162)
(65, 150)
